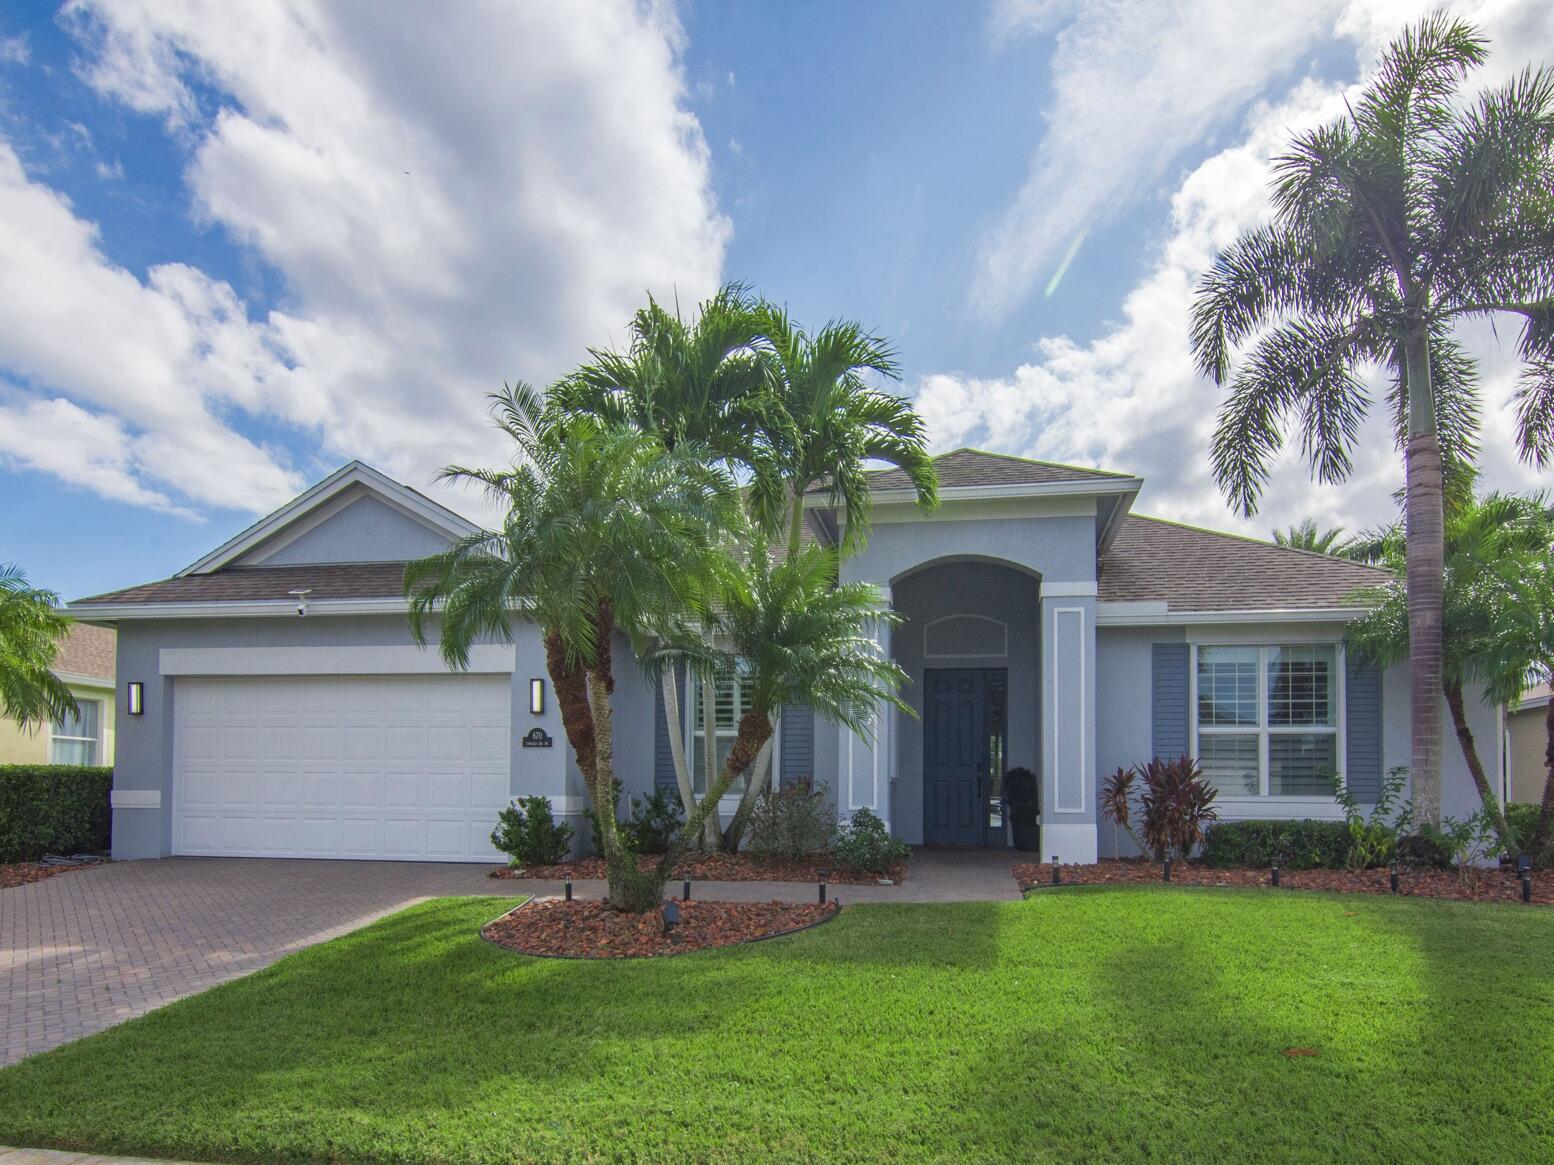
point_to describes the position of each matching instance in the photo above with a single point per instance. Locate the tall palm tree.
(793, 635)
(604, 530)
(1305, 536)
(1415, 212)
(30, 630)
(1490, 545)
(834, 422)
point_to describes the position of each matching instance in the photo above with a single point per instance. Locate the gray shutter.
(1168, 708)
(1362, 727)
(797, 753)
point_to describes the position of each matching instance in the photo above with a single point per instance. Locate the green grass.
(1138, 1024)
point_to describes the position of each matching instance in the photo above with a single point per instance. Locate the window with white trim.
(730, 703)
(1268, 719)
(75, 740)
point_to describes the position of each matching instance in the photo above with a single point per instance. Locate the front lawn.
(1141, 1024)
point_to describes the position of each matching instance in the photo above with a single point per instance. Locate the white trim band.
(495, 659)
(1126, 615)
(135, 798)
(1077, 845)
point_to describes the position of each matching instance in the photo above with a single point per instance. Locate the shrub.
(1298, 845)
(528, 833)
(864, 844)
(1373, 839)
(1426, 848)
(792, 822)
(650, 826)
(53, 809)
(1022, 796)
(1174, 806)
(1452, 844)
(1523, 822)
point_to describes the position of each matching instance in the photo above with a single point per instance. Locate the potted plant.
(1022, 798)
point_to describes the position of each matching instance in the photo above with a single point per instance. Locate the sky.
(241, 245)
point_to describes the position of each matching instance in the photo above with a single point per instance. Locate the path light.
(1275, 871)
(1394, 875)
(824, 874)
(1057, 871)
(671, 916)
(685, 892)
(1524, 868)
(569, 888)
(1527, 887)
(1167, 873)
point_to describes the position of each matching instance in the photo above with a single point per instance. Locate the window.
(73, 740)
(1268, 719)
(729, 704)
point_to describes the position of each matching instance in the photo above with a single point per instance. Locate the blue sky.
(239, 246)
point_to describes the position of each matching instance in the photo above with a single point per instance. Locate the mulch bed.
(718, 868)
(1495, 885)
(20, 873)
(585, 929)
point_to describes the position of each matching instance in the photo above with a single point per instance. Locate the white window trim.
(690, 714)
(1263, 729)
(95, 741)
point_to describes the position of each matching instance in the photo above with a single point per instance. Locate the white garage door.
(401, 767)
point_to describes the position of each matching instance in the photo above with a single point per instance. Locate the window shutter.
(1362, 728)
(797, 754)
(1168, 708)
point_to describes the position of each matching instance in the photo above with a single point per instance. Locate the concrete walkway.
(55, 1157)
(82, 951)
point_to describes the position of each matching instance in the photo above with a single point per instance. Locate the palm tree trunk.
(712, 824)
(675, 726)
(630, 888)
(1540, 834)
(1426, 556)
(796, 520)
(1459, 719)
(755, 727)
(735, 833)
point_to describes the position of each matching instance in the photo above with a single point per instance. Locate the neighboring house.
(85, 665)
(1044, 626)
(1526, 746)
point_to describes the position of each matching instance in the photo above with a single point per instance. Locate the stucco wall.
(364, 530)
(1528, 735)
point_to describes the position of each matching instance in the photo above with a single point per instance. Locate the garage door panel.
(364, 767)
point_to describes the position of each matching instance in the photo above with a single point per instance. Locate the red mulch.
(1480, 886)
(20, 873)
(586, 929)
(718, 868)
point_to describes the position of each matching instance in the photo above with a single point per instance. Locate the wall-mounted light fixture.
(135, 698)
(537, 697)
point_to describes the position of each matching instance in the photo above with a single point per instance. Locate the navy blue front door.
(956, 741)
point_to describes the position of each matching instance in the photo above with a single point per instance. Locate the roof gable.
(393, 512)
(970, 468)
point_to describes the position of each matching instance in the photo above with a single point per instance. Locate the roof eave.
(1112, 613)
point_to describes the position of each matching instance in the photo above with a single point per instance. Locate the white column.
(867, 764)
(1068, 728)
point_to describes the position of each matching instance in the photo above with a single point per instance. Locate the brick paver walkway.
(80, 952)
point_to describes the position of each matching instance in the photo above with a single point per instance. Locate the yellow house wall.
(1529, 739)
(19, 747)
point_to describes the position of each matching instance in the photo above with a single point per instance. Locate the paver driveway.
(82, 951)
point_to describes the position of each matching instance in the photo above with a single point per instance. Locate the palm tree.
(795, 636)
(1490, 546)
(30, 630)
(605, 530)
(1415, 212)
(1305, 536)
(833, 423)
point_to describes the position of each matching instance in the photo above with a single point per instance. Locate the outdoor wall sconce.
(537, 697)
(135, 698)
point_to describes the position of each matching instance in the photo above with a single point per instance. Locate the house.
(84, 664)
(284, 710)
(1526, 746)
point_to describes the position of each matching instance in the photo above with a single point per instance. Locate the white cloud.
(1131, 399)
(452, 198)
(15, 50)
(1135, 84)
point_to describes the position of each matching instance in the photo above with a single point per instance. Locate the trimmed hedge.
(53, 809)
(1299, 845)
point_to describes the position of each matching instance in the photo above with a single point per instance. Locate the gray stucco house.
(1045, 625)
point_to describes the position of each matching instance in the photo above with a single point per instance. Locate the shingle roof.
(346, 580)
(1202, 570)
(87, 651)
(973, 467)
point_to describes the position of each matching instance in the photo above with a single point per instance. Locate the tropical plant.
(1172, 802)
(793, 636)
(833, 421)
(865, 844)
(1022, 796)
(1372, 837)
(529, 834)
(606, 531)
(1306, 536)
(792, 822)
(1493, 547)
(31, 627)
(1417, 211)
